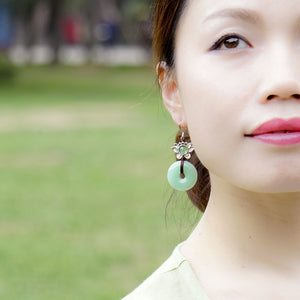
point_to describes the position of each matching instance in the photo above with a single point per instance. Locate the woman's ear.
(170, 94)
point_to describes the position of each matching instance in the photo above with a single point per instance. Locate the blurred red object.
(71, 30)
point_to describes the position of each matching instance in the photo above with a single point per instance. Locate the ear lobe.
(171, 95)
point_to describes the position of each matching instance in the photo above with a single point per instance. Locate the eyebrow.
(239, 13)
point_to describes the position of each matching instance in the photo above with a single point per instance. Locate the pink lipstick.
(278, 132)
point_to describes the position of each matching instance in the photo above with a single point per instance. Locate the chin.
(279, 190)
(270, 178)
(274, 187)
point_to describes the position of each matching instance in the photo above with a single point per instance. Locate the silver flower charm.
(183, 150)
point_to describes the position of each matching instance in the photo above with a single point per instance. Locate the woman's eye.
(230, 42)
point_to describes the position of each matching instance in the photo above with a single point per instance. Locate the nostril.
(270, 97)
(295, 96)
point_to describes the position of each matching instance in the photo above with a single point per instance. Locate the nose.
(282, 78)
(283, 91)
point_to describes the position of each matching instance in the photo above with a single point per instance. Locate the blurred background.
(84, 149)
(76, 32)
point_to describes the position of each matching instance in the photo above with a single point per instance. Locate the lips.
(278, 132)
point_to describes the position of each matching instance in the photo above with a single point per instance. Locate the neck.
(247, 230)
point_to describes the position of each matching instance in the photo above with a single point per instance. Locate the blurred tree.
(30, 14)
(22, 12)
(104, 22)
(137, 26)
(54, 22)
(7, 70)
(124, 13)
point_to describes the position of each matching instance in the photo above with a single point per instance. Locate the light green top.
(174, 279)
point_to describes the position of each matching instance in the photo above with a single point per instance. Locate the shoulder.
(162, 284)
(174, 280)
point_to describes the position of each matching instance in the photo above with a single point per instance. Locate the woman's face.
(237, 66)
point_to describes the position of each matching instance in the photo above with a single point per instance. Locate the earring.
(182, 175)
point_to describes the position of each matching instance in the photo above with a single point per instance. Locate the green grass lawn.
(83, 157)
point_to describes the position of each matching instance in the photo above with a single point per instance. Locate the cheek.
(215, 117)
(214, 106)
(218, 103)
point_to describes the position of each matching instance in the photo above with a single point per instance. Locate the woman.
(230, 74)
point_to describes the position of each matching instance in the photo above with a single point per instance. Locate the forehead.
(252, 10)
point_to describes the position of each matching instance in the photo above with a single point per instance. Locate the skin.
(247, 244)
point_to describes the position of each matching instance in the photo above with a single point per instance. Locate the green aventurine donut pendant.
(175, 180)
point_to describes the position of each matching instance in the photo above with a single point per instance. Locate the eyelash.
(221, 40)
